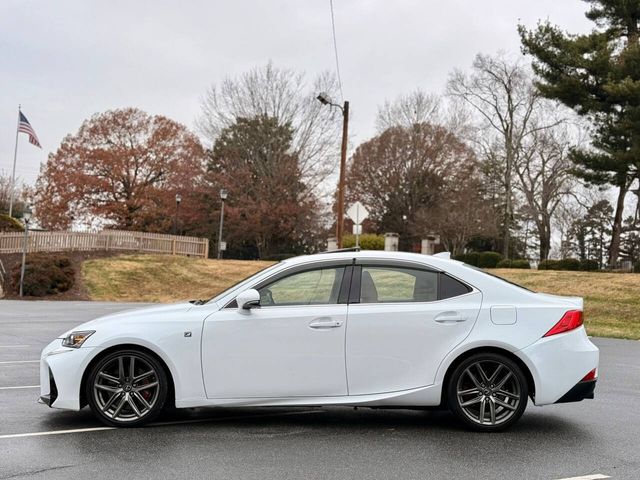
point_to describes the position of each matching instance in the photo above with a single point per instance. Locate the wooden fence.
(106, 240)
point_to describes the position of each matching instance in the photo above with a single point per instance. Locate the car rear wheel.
(487, 392)
(127, 388)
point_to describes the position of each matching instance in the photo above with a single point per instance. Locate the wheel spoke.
(508, 394)
(106, 388)
(120, 405)
(495, 374)
(492, 411)
(482, 408)
(133, 405)
(132, 367)
(483, 376)
(472, 377)
(469, 391)
(111, 400)
(505, 404)
(121, 368)
(503, 381)
(141, 399)
(145, 386)
(106, 376)
(473, 401)
(144, 375)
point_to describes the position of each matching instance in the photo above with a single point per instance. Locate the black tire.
(140, 397)
(471, 390)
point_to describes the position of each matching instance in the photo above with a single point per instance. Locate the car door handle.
(324, 323)
(450, 317)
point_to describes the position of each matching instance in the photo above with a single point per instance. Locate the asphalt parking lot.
(594, 438)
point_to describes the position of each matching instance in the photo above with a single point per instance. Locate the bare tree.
(407, 110)
(286, 96)
(501, 92)
(545, 178)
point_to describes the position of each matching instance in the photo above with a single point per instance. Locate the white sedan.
(376, 329)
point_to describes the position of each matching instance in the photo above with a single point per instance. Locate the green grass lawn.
(612, 301)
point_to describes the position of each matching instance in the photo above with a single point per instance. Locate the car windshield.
(496, 276)
(239, 284)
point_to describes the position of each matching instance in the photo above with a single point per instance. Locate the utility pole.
(325, 100)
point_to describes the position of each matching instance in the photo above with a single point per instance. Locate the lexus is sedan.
(358, 328)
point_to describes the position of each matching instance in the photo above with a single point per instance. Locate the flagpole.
(13, 174)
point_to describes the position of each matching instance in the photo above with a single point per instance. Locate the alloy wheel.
(488, 392)
(126, 388)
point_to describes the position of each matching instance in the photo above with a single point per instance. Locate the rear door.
(403, 319)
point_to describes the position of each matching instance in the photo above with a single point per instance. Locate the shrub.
(368, 241)
(45, 275)
(548, 265)
(9, 224)
(572, 264)
(589, 265)
(524, 264)
(470, 258)
(488, 259)
(506, 263)
(636, 267)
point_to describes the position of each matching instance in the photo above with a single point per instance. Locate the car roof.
(372, 254)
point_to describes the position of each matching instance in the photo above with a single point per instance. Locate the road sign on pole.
(358, 214)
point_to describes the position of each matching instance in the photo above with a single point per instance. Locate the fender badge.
(187, 334)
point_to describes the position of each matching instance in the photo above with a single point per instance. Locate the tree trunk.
(616, 230)
(544, 236)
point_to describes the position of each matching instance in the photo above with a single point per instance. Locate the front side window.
(397, 284)
(311, 287)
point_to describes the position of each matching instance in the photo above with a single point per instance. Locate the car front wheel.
(487, 392)
(127, 388)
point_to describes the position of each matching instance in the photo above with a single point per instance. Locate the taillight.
(570, 320)
(592, 375)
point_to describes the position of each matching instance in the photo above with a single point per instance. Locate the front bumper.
(61, 371)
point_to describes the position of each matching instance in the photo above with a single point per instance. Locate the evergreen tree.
(598, 76)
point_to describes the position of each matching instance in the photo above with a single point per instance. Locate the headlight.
(76, 339)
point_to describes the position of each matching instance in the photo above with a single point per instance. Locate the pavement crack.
(36, 472)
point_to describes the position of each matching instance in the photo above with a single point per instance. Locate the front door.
(402, 323)
(291, 346)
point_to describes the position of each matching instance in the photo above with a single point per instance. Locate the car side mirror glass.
(248, 299)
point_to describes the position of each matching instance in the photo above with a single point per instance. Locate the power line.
(335, 49)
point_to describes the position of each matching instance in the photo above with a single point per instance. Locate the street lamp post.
(26, 216)
(175, 220)
(223, 197)
(325, 100)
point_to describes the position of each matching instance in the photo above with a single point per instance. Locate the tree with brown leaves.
(122, 169)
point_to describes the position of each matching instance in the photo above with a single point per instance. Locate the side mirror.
(248, 299)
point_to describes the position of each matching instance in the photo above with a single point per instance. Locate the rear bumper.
(579, 392)
(559, 363)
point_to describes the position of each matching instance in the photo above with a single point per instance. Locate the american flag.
(25, 127)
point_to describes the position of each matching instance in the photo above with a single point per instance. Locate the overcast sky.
(65, 60)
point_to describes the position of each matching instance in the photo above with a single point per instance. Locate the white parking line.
(20, 361)
(596, 476)
(159, 424)
(14, 346)
(18, 387)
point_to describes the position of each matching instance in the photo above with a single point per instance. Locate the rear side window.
(450, 287)
(397, 284)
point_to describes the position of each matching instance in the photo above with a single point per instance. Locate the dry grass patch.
(611, 300)
(162, 278)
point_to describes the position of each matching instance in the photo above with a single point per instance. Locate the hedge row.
(480, 259)
(368, 241)
(45, 274)
(506, 263)
(572, 264)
